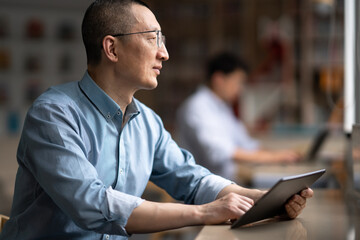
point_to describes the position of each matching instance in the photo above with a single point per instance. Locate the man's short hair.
(105, 17)
(225, 63)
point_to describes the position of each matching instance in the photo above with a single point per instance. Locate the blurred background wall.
(294, 49)
(289, 45)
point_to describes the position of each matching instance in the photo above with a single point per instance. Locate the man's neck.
(219, 95)
(118, 91)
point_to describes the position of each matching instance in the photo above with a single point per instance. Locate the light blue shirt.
(208, 128)
(81, 173)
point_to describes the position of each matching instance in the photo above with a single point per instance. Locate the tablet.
(272, 203)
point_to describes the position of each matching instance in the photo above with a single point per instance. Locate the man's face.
(231, 85)
(140, 59)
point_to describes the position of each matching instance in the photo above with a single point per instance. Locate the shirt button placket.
(122, 160)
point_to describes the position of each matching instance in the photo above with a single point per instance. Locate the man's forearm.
(265, 156)
(153, 217)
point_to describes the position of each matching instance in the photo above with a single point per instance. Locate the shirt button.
(121, 171)
(118, 113)
(107, 237)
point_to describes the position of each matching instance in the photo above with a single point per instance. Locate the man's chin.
(150, 86)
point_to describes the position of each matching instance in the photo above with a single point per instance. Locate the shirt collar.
(215, 99)
(103, 102)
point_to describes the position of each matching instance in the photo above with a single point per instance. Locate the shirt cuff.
(209, 188)
(120, 206)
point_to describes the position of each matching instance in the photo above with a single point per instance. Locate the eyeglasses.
(160, 38)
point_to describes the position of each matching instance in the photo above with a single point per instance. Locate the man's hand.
(297, 203)
(285, 156)
(293, 207)
(229, 207)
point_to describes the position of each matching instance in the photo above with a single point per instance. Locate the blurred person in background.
(208, 127)
(88, 148)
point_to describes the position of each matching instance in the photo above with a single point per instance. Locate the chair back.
(3, 220)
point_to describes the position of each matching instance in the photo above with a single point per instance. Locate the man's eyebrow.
(153, 27)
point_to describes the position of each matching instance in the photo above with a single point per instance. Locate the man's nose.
(163, 53)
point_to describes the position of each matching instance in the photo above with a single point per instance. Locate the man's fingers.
(247, 201)
(307, 193)
(245, 206)
(295, 206)
(243, 203)
(240, 203)
(298, 200)
(291, 211)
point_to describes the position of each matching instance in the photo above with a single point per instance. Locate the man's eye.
(152, 40)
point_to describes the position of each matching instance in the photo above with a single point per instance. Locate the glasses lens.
(160, 40)
(163, 39)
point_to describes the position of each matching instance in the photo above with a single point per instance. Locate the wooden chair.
(3, 220)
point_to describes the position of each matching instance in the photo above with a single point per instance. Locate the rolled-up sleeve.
(120, 206)
(210, 187)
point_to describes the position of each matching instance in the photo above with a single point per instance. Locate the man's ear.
(108, 45)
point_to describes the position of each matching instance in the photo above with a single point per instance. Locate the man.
(89, 148)
(209, 129)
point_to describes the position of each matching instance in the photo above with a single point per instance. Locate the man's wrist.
(198, 214)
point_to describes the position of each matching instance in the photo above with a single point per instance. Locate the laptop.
(313, 151)
(272, 203)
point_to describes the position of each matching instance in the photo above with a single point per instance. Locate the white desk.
(325, 217)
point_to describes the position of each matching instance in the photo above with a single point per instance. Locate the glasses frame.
(160, 38)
